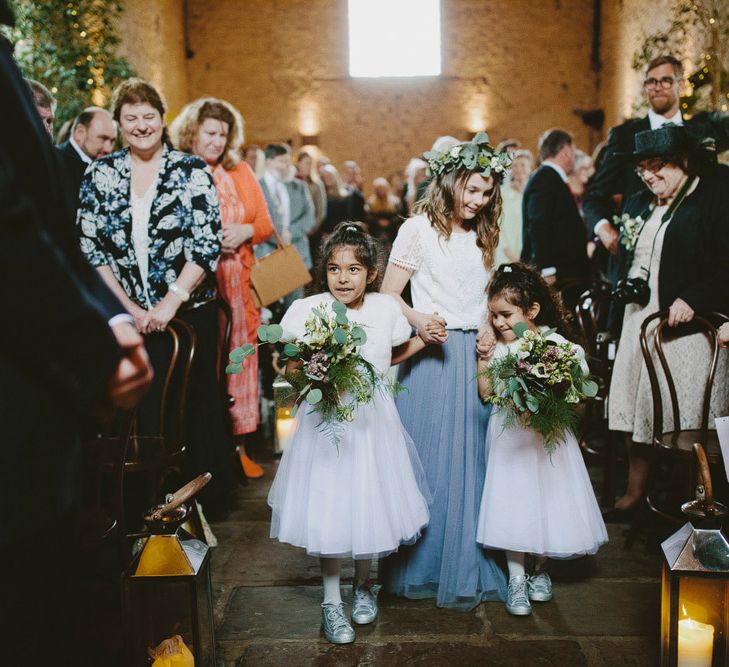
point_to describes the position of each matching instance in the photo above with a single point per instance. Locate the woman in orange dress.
(213, 130)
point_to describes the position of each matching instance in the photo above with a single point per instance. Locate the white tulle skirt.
(535, 505)
(362, 498)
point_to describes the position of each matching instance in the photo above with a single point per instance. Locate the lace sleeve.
(407, 248)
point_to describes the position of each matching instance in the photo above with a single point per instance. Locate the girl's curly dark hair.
(367, 250)
(522, 285)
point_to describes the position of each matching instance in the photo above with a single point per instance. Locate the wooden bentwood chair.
(676, 445)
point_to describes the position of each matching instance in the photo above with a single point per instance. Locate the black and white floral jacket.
(184, 223)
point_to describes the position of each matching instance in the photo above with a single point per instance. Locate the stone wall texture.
(512, 67)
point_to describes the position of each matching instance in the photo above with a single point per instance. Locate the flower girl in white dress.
(365, 496)
(533, 502)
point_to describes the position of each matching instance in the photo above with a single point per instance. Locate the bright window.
(394, 38)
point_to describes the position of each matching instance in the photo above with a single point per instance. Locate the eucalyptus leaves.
(476, 155)
(540, 385)
(332, 377)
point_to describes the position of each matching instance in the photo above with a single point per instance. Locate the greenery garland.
(70, 47)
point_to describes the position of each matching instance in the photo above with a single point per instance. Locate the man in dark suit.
(554, 233)
(93, 134)
(615, 177)
(66, 349)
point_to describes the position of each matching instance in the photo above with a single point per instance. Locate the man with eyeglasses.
(615, 177)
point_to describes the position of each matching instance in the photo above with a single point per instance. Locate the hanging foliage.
(70, 47)
(697, 32)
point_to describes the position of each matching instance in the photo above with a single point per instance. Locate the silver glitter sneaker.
(517, 598)
(540, 587)
(337, 628)
(364, 605)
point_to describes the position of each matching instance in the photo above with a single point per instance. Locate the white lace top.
(448, 274)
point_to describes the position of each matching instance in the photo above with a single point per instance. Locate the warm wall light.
(475, 119)
(309, 118)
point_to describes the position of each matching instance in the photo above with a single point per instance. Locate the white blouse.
(449, 277)
(141, 208)
(379, 315)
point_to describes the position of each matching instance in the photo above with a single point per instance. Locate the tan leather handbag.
(277, 274)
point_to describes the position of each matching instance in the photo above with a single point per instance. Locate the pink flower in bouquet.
(317, 366)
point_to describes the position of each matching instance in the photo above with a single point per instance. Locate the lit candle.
(695, 643)
(284, 428)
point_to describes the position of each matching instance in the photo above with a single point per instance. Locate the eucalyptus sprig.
(476, 155)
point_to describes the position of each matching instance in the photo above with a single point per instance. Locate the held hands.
(158, 318)
(608, 236)
(485, 343)
(431, 328)
(679, 313)
(139, 314)
(234, 236)
(133, 374)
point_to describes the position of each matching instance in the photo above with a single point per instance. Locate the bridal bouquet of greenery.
(539, 385)
(333, 378)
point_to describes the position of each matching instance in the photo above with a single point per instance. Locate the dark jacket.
(75, 168)
(553, 230)
(695, 255)
(57, 351)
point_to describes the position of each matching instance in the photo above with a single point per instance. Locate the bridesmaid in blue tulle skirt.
(445, 252)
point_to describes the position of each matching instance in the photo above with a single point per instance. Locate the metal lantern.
(695, 584)
(283, 396)
(167, 588)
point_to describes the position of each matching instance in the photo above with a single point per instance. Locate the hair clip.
(506, 269)
(352, 228)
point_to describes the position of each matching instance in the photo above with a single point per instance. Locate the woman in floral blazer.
(149, 221)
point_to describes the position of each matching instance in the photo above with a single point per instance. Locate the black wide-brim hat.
(668, 140)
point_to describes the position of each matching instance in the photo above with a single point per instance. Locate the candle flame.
(683, 610)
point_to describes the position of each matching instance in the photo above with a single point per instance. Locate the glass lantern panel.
(702, 620)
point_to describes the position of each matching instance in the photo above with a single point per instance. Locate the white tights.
(331, 569)
(515, 563)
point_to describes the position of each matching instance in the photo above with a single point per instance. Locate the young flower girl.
(533, 502)
(365, 496)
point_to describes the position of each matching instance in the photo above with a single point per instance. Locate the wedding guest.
(149, 221)
(339, 201)
(554, 234)
(290, 206)
(415, 175)
(662, 86)
(680, 257)
(512, 194)
(580, 176)
(383, 213)
(71, 351)
(304, 172)
(446, 253)
(212, 129)
(397, 184)
(93, 135)
(549, 485)
(45, 103)
(250, 155)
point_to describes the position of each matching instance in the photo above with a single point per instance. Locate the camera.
(632, 290)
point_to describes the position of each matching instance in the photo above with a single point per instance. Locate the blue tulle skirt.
(442, 412)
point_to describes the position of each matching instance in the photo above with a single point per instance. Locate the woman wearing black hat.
(674, 256)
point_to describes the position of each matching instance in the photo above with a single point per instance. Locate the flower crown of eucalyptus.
(476, 155)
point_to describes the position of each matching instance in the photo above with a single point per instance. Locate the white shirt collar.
(562, 173)
(657, 120)
(81, 154)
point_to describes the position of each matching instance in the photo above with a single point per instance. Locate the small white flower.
(455, 151)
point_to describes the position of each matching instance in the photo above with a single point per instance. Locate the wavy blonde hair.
(184, 128)
(439, 205)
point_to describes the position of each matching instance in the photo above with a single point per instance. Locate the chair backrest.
(186, 343)
(591, 314)
(225, 326)
(699, 324)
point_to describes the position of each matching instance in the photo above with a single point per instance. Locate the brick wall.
(520, 65)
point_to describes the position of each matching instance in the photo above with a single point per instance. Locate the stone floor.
(605, 612)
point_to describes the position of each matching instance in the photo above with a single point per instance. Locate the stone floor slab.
(293, 612)
(621, 651)
(594, 608)
(409, 654)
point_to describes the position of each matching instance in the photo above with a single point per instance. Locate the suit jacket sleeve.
(598, 201)
(539, 212)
